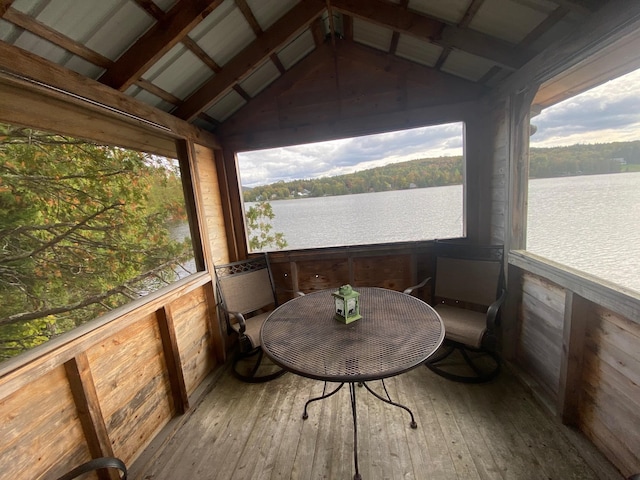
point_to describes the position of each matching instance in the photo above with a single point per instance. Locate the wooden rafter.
(41, 30)
(433, 30)
(4, 6)
(544, 26)
(151, 8)
(289, 25)
(163, 36)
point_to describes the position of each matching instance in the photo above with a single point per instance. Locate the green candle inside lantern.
(347, 304)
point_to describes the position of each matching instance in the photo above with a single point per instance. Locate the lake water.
(589, 222)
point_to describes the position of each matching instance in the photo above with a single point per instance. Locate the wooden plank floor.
(492, 431)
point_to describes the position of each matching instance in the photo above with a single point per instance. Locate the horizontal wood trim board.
(24, 369)
(57, 114)
(30, 66)
(617, 299)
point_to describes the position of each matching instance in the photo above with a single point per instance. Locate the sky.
(608, 113)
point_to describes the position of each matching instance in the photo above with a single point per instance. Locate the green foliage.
(584, 159)
(79, 222)
(259, 228)
(435, 172)
(426, 172)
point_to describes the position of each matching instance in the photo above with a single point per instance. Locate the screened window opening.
(392, 187)
(584, 186)
(84, 229)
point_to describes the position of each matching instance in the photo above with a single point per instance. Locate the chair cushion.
(463, 326)
(254, 324)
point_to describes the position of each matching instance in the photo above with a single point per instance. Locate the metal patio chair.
(467, 291)
(246, 295)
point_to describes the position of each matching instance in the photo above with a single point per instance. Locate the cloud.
(338, 157)
(608, 113)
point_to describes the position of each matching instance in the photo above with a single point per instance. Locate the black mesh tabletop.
(396, 333)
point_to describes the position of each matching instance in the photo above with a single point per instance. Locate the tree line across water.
(433, 172)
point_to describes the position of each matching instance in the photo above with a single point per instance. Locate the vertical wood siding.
(132, 384)
(109, 390)
(211, 211)
(541, 323)
(610, 398)
(40, 428)
(195, 337)
(580, 341)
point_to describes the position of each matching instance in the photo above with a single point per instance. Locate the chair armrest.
(241, 321)
(494, 308)
(95, 464)
(410, 290)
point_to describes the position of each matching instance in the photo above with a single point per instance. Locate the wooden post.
(87, 403)
(577, 316)
(173, 360)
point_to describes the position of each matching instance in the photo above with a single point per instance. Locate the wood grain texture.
(133, 385)
(493, 431)
(40, 429)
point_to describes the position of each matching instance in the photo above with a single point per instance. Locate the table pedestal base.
(352, 395)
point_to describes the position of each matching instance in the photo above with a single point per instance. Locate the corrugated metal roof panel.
(8, 32)
(510, 20)
(224, 33)
(466, 65)
(556, 32)
(226, 106)
(419, 51)
(44, 48)
(372, 35)
(149, 98)
(83, 67)
(92, 22)
(298, 48)
(178, 72)
(449, 10)
(267, 13)
(165, 4)
(263, 76)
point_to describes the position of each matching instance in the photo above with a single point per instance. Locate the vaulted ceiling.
(204, 61)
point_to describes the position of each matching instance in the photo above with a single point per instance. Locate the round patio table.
(397, 332)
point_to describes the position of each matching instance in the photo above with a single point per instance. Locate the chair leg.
(252, 375)
(478, 374)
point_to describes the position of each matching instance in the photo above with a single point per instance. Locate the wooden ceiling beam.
(87, 91)
(392, 16)
(4, 6)
(435, 31)
(43, 31)
(161, 38)
(289, 25)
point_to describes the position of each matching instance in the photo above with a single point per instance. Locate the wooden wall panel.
(499, 181)
(212, 214)
(40, 430)
(610, 400)
(321, 274)
(542, 320)
(394, 272)
(133, 386)
(190, 315)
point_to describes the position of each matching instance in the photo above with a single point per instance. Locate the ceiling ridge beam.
(289, 25)
(158, 40)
